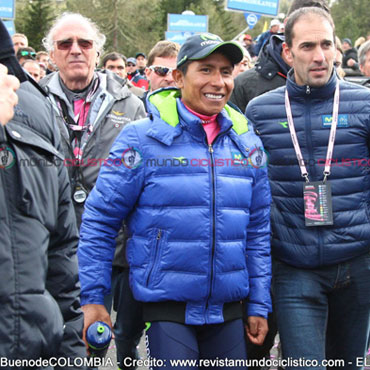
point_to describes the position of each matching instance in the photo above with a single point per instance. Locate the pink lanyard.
(333, 130)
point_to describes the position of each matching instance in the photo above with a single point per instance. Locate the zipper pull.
(210, 148)
(308, 90)
(159, 234)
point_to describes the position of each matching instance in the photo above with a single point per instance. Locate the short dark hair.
(163, 49)
(296, 15)
(27, 51)
(298, 4)
(113, 56)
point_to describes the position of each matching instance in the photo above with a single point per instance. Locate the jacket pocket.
(153, 267)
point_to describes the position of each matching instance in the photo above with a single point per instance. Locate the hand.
(351, 62)
(92, 313)
(256, 329)
(8, 97)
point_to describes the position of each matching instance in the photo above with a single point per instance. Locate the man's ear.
(287, 54)
(178, 77)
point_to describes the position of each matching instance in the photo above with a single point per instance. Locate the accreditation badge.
(79, 194)
(318, 208)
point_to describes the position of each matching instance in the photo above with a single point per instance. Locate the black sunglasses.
(161, 71)
(68, 43)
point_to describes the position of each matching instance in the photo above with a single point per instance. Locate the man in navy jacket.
(320, 243)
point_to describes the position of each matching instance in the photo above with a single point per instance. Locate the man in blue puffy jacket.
(190, 182)
(316, 131)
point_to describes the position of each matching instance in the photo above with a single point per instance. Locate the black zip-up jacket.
(269, 73)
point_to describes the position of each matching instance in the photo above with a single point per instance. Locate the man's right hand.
(8, 97)
(92, 313)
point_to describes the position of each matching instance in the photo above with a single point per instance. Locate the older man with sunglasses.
(91, 107)
(161, 63)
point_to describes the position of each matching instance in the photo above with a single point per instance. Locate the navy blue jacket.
(199, 227)
(292, 241)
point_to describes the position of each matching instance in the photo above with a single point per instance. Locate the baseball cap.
(200, 46)
(274, 22)
(138, 54)
(247, 37)
(132, 60)
(348, 41)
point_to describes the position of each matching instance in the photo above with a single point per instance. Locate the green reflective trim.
(165, 101)
(240, 123)
(147, 326)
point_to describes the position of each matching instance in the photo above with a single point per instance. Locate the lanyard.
(333, 131)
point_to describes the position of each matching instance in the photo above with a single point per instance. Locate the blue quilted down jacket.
(199, 229)
(349, 236)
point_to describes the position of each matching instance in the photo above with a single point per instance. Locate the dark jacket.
(40, 312)
(269, 73)
(349, 54)
(199, 235)
(348, 237)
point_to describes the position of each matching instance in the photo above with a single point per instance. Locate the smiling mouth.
(214, 96)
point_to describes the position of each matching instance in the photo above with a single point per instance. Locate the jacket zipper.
(210, 149)
(158, 238)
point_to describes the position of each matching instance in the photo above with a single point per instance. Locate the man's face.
(131, 68)
(274, 29)
(141, 61)
(117, 66)
(157, 81)
(365, 68)
(19, 42)
(312, 52)
(77, 62)
(33, 69)
(207, 85)
(346, 46)
(44, 59)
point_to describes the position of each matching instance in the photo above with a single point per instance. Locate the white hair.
(98, 37)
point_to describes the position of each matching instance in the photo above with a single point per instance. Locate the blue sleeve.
(258, 246)
(114, 196)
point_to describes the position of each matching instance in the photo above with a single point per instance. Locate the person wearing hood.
(193, 190)
(269, 72)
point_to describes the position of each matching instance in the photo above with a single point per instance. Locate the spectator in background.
(359, 42)
(364, 58)
(42, 57)
(249, 45)
(350, 58)
(33, 68)
(134, 76)
(244, 65)
(264, 37)
(141, 63)
(25, 53)
(115, 63)
(161, 63)
(19, 41)
(338, 60)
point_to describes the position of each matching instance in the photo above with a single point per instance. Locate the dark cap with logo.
(140, 54)
(201, 46)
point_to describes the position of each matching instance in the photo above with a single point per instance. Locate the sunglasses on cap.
(68, 43)
(25, 53)
(161, 71)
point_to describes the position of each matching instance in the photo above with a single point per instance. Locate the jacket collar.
(170, 118)
(108, 83)
(323, 92)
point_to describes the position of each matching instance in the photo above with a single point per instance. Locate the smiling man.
(316, 131)
(198, 235)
